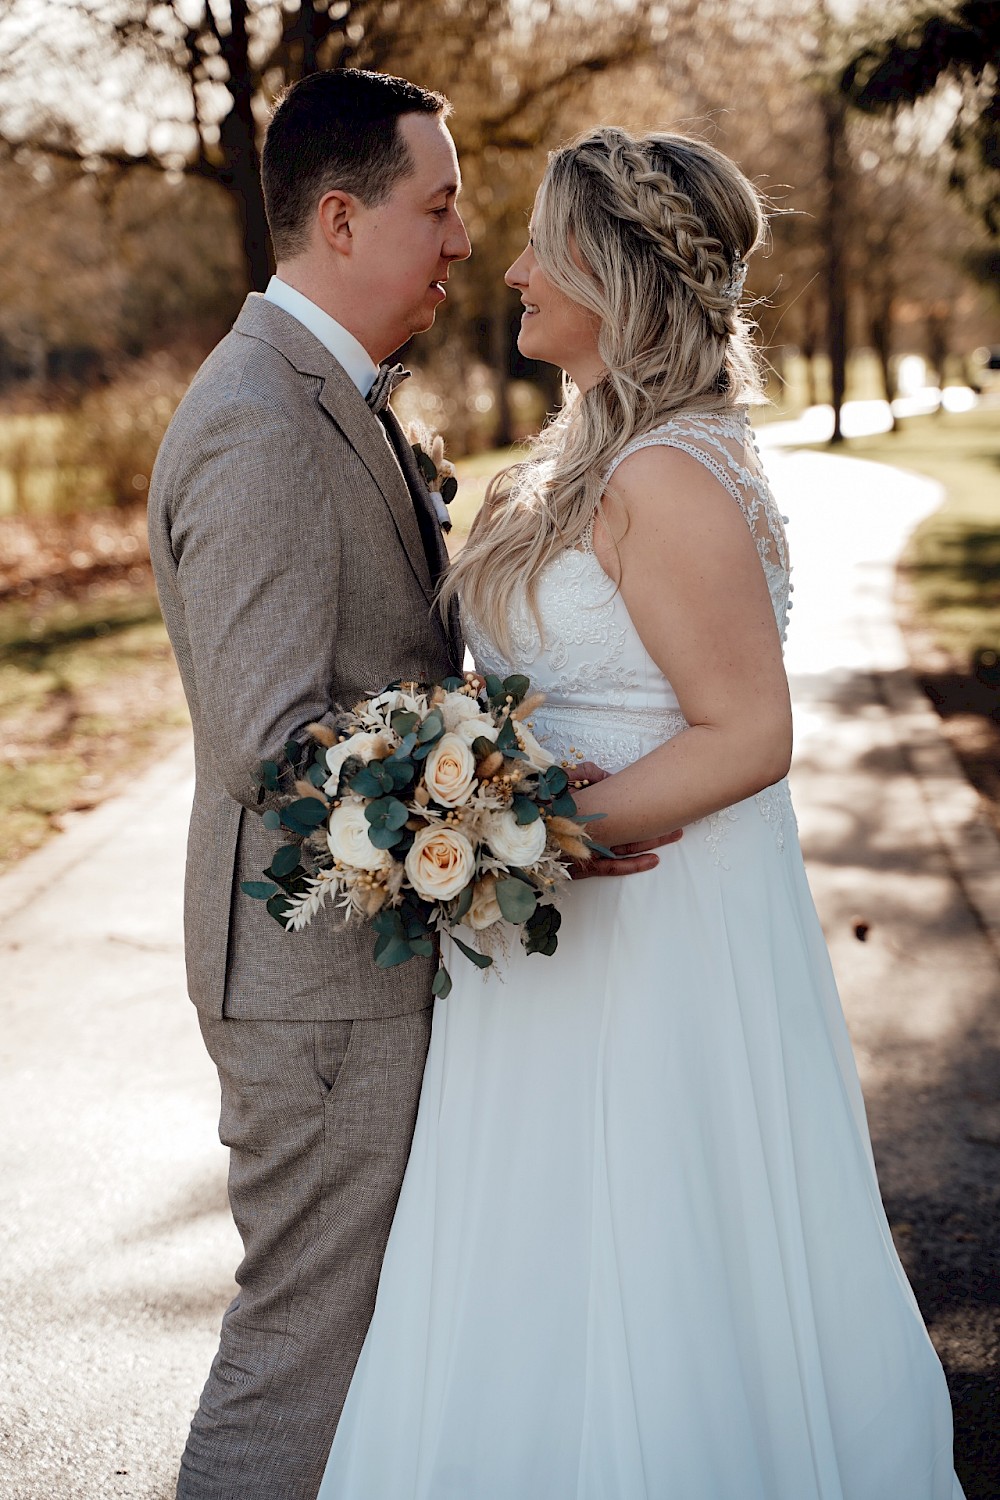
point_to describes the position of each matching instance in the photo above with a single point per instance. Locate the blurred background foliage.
(133, 224)
(133, 227)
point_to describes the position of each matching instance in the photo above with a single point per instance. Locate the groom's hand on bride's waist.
(629, 859)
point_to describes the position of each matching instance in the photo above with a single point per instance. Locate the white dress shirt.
(332, 335)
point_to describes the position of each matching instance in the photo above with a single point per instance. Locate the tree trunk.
(881, 336)
(834, 122)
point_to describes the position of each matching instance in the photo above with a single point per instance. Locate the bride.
(640, 1251)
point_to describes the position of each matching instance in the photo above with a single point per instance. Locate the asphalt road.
(116, 1248)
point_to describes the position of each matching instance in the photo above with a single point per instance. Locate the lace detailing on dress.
(612, 737)
(723, 442)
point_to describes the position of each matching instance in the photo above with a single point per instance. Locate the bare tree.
(204, 73)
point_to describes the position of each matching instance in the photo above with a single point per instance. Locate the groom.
(296, 554)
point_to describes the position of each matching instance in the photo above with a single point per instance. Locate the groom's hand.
(630, 859)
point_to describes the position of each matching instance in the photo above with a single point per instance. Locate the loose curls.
(660, 223)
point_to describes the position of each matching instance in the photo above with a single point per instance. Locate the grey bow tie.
(386, 381)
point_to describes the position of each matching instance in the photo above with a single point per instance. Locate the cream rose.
(518, 844)
(485, 908)
(450, 770)
(374, 746)
(473, 729)
(538, 757)
(457, 708)
(349, 841)
(441, 862)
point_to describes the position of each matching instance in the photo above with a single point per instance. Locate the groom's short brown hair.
(336, 129)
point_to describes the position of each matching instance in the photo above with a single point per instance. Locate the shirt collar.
(332, 335)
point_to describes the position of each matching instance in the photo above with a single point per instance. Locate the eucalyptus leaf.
(260, 890)
(525, 811)
(269, 775)
(517, 901)
(517, 686)
(397, 951)
(285, 860)
(556, 780)
(404, 721)
(442, 984)
(463, 901)
(431, 728)
(481, 960)
(389, 922)
(364, 784)
(271, 819)
(449, 489)
(317, 775)
(453, 684)
(422, 947)
(309, 811)
(384, 838)
(387, 812)
(278, 906)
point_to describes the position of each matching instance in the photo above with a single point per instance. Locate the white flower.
(349, 841)
(485, 908)
(376, 745)
(449, 771)
(441, 862)
(516, 844)
(457, 708)
(538, 757)
(474, 729)
(388, 703)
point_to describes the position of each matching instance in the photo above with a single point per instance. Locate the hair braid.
(646, 234)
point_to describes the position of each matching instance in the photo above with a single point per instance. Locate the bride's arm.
(695, 589)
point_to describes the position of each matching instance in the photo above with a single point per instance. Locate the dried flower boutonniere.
(437, 471)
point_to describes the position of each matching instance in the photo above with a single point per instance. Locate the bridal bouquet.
(437, 806)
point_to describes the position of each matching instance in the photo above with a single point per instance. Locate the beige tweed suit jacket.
(293, 579)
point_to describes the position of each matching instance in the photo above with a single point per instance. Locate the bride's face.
(553, 327)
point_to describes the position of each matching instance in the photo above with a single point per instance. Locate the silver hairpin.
(733, 289)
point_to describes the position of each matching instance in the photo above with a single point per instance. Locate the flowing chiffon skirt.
(640, 1252)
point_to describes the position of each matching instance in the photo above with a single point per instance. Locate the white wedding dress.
(640, 1252)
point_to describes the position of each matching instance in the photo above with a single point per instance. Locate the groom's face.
(404, 247)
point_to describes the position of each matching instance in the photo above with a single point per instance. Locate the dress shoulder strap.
(723, 442)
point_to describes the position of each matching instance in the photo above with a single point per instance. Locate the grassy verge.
(88, 689)
(950, 581)
(953, 559)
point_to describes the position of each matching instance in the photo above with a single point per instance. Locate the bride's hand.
(630, 859)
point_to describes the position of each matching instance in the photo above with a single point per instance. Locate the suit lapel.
(343, 403)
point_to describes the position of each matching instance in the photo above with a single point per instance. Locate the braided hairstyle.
(651, 234)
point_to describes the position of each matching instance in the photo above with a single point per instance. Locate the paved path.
(116, 1250)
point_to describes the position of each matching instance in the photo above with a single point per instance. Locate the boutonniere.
(437, 472)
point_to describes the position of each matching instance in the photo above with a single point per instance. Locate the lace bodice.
(606, 700)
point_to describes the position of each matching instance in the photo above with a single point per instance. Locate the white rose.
(441, 862)
(474, 729)
(449, 771)
(457, 708)
(349, 841)
(516, 844)
(538, 757)
(366, 747)
(485, 908)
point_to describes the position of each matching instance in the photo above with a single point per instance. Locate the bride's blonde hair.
(660, 223)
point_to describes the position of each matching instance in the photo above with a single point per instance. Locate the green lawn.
(953, 559)
(88, 690)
